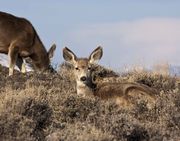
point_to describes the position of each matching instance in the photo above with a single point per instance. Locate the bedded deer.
(19, 39)
(122, 93)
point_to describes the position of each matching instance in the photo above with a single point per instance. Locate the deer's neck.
(39, 57)
(85, 89)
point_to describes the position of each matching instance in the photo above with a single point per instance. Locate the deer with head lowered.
(122, 93)
(19, 40)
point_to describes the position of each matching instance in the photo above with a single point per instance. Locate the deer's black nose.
(83, 78)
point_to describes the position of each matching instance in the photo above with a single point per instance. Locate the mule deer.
(121, 92)
(19, 40)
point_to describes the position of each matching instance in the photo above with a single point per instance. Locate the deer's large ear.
(69, 56)
(51, 51)
(96, 55)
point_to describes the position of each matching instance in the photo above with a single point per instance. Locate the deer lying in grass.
(19, 40)
(121, 92)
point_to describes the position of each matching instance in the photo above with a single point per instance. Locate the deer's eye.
(89, 68)
(77, 68)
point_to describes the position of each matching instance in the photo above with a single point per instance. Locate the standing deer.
(19, 40)
(121, 92)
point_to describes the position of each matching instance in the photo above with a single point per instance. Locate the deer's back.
(15, 29)
(124, 93)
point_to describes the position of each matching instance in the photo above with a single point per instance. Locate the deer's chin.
(81, 83)
(84, 83)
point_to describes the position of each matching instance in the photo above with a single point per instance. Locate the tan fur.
(122, 93)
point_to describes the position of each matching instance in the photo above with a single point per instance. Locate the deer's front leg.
(13, 54)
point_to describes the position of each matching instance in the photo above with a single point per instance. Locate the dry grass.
(46, 107)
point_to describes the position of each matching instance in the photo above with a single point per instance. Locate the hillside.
(45, 107)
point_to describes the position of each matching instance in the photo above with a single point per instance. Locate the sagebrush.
(36, 106)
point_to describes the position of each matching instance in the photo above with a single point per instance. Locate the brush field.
(38, 107)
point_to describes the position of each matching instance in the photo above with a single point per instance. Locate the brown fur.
(122, 93)
(19, 39)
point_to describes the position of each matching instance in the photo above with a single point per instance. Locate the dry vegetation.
(46, 107)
